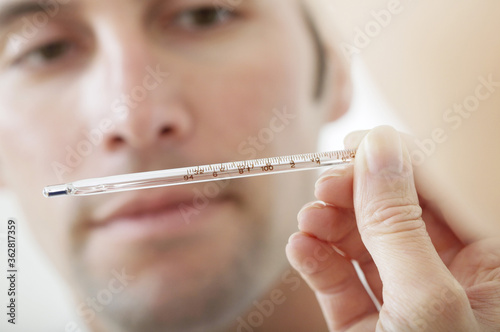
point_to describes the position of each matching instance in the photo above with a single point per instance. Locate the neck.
(288, 306)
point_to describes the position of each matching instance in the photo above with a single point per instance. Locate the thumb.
(390, 219)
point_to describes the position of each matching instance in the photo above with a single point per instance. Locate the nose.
(144, 102)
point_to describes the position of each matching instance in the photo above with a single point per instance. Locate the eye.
(45, 54)
(203, 17)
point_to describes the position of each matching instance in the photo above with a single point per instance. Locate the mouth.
(160, 214)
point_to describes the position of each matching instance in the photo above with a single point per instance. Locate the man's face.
(96, 88)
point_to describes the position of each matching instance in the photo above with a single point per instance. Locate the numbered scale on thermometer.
(267, 165)
(196, 174)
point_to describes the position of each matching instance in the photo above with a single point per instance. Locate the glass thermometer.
(196, 174)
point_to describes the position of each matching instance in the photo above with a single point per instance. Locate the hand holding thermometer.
(196, 174)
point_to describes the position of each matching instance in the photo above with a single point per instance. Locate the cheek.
(258, 94)
(256, 102)
(33, 134)
(35, 128)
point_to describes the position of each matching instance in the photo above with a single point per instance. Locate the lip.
(150, 214)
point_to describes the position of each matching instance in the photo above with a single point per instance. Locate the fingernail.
(384, 151)
(352, 140)
(330, 174)
(312, 205)
(294, 235)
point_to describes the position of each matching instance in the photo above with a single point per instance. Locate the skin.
(426, 235)
(424, 276)
(63, 82)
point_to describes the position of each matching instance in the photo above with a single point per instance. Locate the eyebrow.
(14, 10)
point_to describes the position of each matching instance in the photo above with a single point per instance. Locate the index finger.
(335, 187)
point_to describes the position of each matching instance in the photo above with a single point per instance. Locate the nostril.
(115, 142)
(166, 130)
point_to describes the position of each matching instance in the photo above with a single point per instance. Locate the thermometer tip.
(58, 190)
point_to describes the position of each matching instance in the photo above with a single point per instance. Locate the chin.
(161, 299)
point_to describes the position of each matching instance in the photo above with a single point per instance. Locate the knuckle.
(393, 212)
(445, 304)
(434, 307)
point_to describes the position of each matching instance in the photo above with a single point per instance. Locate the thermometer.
(205, 173)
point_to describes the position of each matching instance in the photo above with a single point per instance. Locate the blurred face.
(95, 88)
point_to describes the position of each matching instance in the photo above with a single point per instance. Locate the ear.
(339, 84)
(337, 90)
